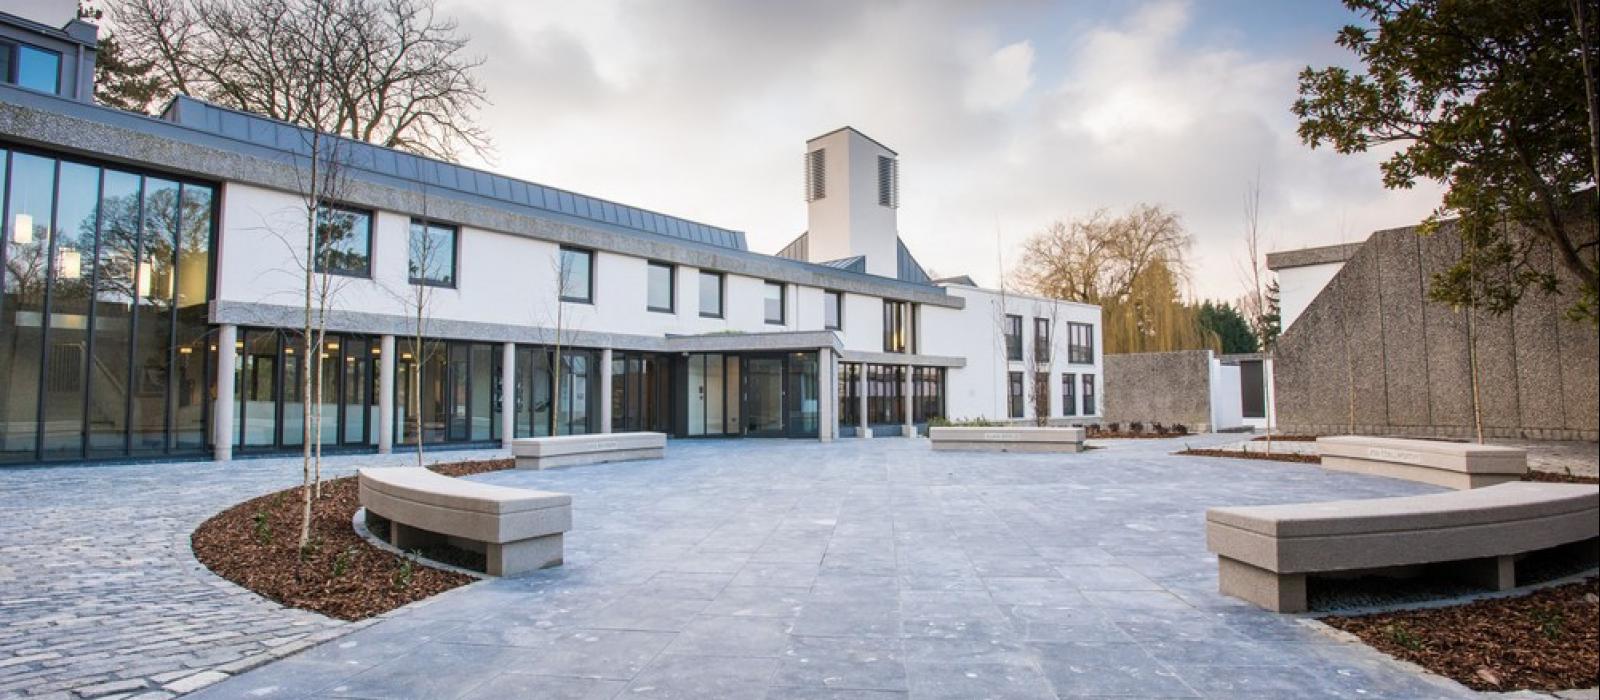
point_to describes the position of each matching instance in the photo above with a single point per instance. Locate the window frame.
(672, 286)
(722, 294)
(561, 267)
(1089, 396)
(14, 70)
(835, 299)
(1069, 394)
(1041, 339)
(1074, 347)
(1016, 405)
(783, 302)
(455, 253)
(1013, 337)
(371, 216)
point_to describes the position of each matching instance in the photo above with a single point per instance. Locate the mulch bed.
(1551, 477)
(1548, 640)
(1286, 438)
(255, 544)
(1124, 435)
(1240, 454)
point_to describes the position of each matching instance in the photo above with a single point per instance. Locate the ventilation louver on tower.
(888, 182)
(816, 168)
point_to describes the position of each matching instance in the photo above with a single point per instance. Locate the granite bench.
(515, 529)
(1007, 439)
(1457, 465)
(1264, 553)
(569, 450)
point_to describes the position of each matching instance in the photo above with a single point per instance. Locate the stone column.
(222, 409)
(508, 394)
(861, 403)
(605, 390)
(910, 429)
(825, 399)
(386, 394)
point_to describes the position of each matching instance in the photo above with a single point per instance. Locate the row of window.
(1080, 341)
(886, 395)
(1041, 394)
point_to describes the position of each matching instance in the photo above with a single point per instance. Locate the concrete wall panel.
(1405, 354)
(1166, 387)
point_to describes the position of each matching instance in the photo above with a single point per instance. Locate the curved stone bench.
(1007, 439)
(516, 529)
(1457, 465)
(1264, 553)
(569, 450)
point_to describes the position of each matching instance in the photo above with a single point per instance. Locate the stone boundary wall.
(1165, 387)
(1372, 355)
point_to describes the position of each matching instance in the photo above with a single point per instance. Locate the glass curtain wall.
(104, 278)
(927, 386)
(270, 411)
(849, 394)
(885, 395)
(577, 411)
(640, 391)
(712, 395)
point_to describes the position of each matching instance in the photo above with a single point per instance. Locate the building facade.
(154, 291)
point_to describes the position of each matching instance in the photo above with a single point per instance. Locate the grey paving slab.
(871, 569)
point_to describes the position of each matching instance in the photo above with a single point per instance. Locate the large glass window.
(1080, 343)
(1069, 394)
(104, 348)
(271, 411)
(1041, 394)
(640, 386)
(30, 67)
(661, 281)
(538, 412)
(710, 294)
(1013, 338)
(432, 254)
(849, 393)
(899, 327)
(927, 383)
(885, 394)
(1041, 340)
(1014, 394)
(577, 275)
(833, 310)
(772, 302)
(1088, 395)
(344, 241)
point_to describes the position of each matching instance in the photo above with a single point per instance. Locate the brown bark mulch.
(1551, 477)
(1546, 640)
(1125, 435)
(1286, 438)
(1240, 454)
(255, 544)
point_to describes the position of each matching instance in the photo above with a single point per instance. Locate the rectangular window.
(1088, 395)
(772, 298)
(816, 175)
(888, 182)
(1080, 344)
(833, 311)
(1013, 338)
(577, 275)
(1041, 394)
(710, 294)
(660, 295)
(899, 327)
(35, 68)
(849, 393)
(927, 383)
(1069, 394)
(1014, 394)
(885, 394)
(344, 241)
(433, 254)
(1041, 340)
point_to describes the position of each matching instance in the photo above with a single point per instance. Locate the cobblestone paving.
(870, 570)
(100, 593)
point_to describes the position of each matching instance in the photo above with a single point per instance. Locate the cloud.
(1006, 116)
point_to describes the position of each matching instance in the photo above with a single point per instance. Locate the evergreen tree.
(1229, 326)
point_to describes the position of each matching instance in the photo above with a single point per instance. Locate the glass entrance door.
(763, 396)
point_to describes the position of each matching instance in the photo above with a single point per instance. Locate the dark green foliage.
(1488, 98)
(1229, 325)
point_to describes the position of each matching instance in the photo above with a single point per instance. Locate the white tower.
(852, 191)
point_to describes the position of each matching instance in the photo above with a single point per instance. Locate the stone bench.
(1007, 439)
(516, 529)
(1264, 553)
(1457, 465)
(569, 450)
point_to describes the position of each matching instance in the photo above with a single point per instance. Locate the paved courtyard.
(872, 570)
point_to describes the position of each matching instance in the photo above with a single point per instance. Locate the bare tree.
(1042, 359)
(400, 77)
(556, 317)
(426, 254)
(1257, 304)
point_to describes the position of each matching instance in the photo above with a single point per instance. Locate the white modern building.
(154, 287)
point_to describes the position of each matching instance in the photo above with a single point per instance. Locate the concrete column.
(508, 393)
(861, 403)
(825, 399)
(222, 408)
(910, 429)
(386, 393)
(605, 390)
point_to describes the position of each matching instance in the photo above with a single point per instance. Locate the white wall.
(848, 220)
(1297, 286)
(1227, 403)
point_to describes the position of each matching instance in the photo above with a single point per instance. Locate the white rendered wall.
(1227, 402)
(1297, 286)
(848, 220)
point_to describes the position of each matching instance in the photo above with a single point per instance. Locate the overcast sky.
(1006, 116)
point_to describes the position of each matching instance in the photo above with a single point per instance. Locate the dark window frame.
(370, 215)
(1069, 394)
(455, 253)
(14, 47)
(1013, 336)
(1080, 350)
(1015, 404)
(722, 294)
(561, 267)
(835, 299)
(1089, 396)
(672, 286)
(899, 327)
(1041, 339)
(783, 302)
